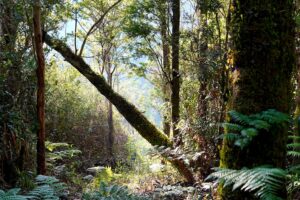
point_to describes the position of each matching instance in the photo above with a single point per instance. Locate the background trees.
(176, 66)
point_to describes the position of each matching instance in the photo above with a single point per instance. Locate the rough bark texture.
(129, 111)
(166, 60)
(38, 41)
(175, 83)
(263, 52)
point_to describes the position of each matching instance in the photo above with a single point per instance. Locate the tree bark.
(38, 41)
(175, 84)
(128, 110)
(163, 9)
(110, 120)
(263, 51)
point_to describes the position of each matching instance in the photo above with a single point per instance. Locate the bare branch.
(99, 21)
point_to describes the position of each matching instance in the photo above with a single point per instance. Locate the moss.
(263, 60)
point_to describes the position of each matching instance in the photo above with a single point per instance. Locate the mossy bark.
(263, 52)
(146, 129)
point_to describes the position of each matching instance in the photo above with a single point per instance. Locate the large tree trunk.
(263, 52)
(38, 41)
(175, 83)
(129, 111)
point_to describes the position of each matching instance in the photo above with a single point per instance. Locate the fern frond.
(265, 182)
(112, 192)
(44, 192)
(238, 117)
(230, 136)
(294, 169)
(294, 137)
(293, 145)
(249, 132)
(232, 126)
(273, 116)
(260, 124)
(12, 194)
(293, 153)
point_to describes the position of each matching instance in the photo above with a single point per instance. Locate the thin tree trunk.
(110, 120)
(38, 40)
(175, 84)
(166, 61)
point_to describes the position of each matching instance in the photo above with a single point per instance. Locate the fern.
(112, 192)
(264, 182)
(12, 194)
(43, 192)
(240, 118)
(245, 128)
(52, 182)
(48, 188)
(232, 127)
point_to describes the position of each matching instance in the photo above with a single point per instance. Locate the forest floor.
(159, 185)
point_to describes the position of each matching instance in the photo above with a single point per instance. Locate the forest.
(149, 99)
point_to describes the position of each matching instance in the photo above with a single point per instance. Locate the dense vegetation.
(149, 99)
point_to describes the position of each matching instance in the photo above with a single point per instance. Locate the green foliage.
(245, 128)
(62, 154)
(112, 192)
(209, 5)
(26, 181)
(48, 188)
(265, 182)
(105, 176)
(12, 194)
(293, 170)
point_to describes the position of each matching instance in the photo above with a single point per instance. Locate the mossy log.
(144, 127)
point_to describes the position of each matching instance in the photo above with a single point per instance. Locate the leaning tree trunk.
(263, 52)
(128, 110)
(38, 41)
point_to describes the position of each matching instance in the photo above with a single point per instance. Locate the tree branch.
(99, 21)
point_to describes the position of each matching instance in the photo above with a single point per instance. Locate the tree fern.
(264, 182)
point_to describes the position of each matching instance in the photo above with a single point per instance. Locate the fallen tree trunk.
(147, 130)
